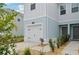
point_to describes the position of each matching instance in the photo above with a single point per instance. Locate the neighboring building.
(50, 20)
(18, 30)
(19, 25)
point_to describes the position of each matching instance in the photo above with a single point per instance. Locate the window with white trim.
(62, 9)
(75, 7)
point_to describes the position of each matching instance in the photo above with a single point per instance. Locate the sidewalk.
(71, 49)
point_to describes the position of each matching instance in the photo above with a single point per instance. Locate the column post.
(68, 29)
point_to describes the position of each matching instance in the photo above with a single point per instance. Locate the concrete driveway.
(72, 48)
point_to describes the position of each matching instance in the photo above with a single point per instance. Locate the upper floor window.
(33, 6)
(62, 9)
(75, 7)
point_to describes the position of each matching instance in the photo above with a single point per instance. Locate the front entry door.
(75, 32)
(64, 30)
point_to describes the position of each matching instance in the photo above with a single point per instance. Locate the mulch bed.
(57, 51)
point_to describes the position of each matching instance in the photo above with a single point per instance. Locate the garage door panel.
(35, 32)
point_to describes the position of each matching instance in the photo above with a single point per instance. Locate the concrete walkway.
(72, 48)
(43, 49)
(22, 45)
(33, 45)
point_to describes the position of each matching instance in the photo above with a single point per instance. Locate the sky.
(16, 6)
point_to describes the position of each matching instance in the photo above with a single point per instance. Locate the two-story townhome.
(50, 20)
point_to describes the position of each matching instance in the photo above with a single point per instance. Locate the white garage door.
(34, 32)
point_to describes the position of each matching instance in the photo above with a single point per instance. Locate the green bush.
(51, 45)
(41, 53)
(62, 40)
(65, 38)
(41, 40)
(58, 43)
(7, 45)
(27, 51)
(19, 39)
(21, 36)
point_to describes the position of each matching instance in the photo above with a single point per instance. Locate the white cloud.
(21, 11)
(21, 8)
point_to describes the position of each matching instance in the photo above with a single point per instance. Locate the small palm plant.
(58, 43)
(42, 40)
(51, 45)
(42, 44)
(27, 51)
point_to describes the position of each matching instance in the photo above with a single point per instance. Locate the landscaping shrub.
(62, 40)
(27, 51)
(42, 45)
(19, 39)
(41, 40)
(41, 53)
(7, 44)
(21, 36)
(51, 45)
(58, 43)
(65, 38)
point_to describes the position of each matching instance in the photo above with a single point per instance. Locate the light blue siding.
(50, 27)
(53, 29)
(70, 22)
(37, 20)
